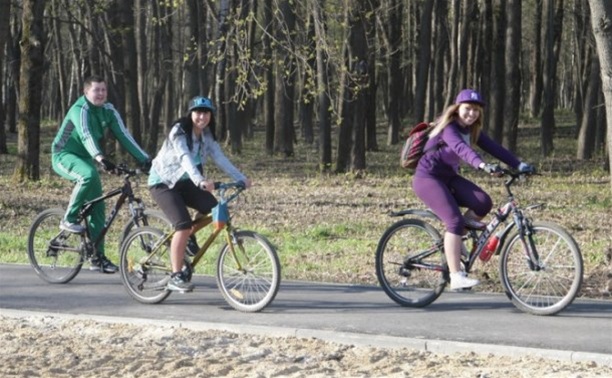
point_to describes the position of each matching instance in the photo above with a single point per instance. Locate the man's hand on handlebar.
(107, 165)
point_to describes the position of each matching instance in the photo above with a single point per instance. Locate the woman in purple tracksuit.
(437, 181)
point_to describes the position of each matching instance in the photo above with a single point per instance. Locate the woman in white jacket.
(177, 180)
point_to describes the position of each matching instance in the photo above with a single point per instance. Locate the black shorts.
(174, 202)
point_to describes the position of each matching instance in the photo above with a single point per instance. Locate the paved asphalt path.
(344, 313)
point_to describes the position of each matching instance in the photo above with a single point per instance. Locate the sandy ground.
(46, 346)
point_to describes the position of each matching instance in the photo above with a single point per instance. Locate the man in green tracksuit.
(75, 148)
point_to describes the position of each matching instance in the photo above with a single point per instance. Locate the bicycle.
(540, 263)
(247, 269)
(57, 256)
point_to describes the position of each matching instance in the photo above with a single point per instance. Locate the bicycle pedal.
(237, 294)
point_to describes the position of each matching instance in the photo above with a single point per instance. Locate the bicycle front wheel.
(550, 284)
(410, 264)
(145, 265)
(248, 272)
(55, 255)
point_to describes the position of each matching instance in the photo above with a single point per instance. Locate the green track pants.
(88, 186)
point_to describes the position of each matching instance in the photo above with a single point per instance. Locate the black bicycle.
(540, 263)
(57, 256)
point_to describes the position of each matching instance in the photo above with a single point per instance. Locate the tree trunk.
(439, 61)
(601, 16)
(535, 62)
(221, 69)
(588, 124)
(486, 46)
(30, 89)
(423, 63)
(14, 63)
(163, 66)
(394, 72)
(324, 103)
(549, 75)
(285, 82)
(268, 100)
(130, 73)
(465, 20)
(306, 104)
(142, 67)
(512, 105)
(345, 128)
(359, 62)
(495, 106)
(371, 141)
(5, 12)
(452, 76)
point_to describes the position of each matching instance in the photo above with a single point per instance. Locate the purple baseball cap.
(469, 95)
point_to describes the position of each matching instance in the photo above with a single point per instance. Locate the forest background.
(314, 97)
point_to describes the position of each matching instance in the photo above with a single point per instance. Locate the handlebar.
(124, 170)
(514, 175)
(228, 191)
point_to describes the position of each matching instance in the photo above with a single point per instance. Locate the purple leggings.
(444, 196)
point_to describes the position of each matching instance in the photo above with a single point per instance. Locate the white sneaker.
(460, 280)
(72, 227)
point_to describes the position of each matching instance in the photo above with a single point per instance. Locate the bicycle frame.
(480, 237)
(200, 223)
(125, 192)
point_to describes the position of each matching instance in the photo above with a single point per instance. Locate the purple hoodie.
(444, 161)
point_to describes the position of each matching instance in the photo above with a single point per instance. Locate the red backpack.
(414, 147)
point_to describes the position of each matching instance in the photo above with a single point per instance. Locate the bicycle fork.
(526, 235)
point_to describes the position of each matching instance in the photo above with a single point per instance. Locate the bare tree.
(601, 14)
(5, 13)
(535, 61)
(512, 104)
(423, 64)
(30, 91)
(549, 76)
(324, 102)
(285, 81)
(393, 71)
(587, 126)
(268, 100)
(495, 105)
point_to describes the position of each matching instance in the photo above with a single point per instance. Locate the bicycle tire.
(406, 284)
(548, 290)
(248, 280)
(145, 279)
(58, 263)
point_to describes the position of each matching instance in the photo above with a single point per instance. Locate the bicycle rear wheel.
(410, 265)
(249, 278)
(145, 265)
(549, 285)
(55, 255)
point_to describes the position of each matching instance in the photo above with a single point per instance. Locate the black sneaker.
(102, 264)
(192, 246)
(178, 283)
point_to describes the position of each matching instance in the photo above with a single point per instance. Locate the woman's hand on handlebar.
(247, 183)
(207, 185)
